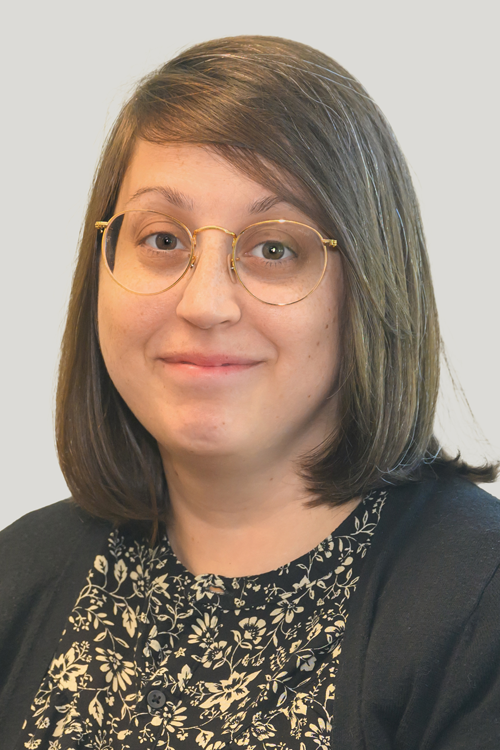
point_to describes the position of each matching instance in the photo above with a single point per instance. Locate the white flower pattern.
(152, 656)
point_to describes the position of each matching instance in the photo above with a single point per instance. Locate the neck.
(235, 522)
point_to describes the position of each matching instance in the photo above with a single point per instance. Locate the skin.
(229, 437)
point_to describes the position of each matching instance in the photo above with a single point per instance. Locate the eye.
(164, 241)
(272, 250)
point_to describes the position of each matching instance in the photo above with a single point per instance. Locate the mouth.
(210, 361)
(192, 365)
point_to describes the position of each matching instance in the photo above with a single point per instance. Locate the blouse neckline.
(248, 592)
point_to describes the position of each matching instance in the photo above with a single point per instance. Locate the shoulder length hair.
(295, 121)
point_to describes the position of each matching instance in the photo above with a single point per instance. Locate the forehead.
(195, 171)
(199, 179)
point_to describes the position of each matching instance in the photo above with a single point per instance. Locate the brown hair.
(276, 109)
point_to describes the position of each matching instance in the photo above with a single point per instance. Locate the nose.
(209, 294)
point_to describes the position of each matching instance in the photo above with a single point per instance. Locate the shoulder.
(422, 641)
(437, 548)
(460, 504)
(443, 514)
(44, 555)
(44, 559)
(51, 523)
(41, 543)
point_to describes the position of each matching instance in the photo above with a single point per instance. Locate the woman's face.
(206, 368)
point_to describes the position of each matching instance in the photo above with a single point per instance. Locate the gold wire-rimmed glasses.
(279, 262)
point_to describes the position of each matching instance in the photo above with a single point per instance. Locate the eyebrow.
(260, 207)
(175, 197)
(180, 200)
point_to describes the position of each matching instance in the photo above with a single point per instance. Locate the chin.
(205, 434)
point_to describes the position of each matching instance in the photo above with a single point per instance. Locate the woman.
(266, 545)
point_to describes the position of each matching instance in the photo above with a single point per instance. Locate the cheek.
(125, 325)
(321, 353)
(314, 334)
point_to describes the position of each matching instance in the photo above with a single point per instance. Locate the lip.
(202, 368)
(209, 361)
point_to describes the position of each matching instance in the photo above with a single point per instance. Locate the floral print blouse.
(154, 657)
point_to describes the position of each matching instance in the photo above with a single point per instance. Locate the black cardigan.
(420, 661)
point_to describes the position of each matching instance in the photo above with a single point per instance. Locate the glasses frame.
(103, 227)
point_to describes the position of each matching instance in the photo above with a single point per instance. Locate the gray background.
(432, 66)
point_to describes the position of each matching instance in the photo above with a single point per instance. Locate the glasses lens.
(280, 262)
(146, 252)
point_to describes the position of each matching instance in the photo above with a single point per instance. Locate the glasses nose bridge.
(213, 226)
(216, 228)
(230, 260)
